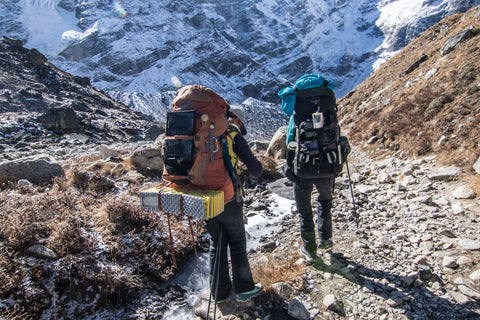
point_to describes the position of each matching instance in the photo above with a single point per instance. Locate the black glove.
(288, 172)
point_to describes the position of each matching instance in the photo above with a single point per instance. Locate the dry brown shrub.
(22, 222)
(80, 179)
(127, 216)
(10, 273)
(86, 279)
(269, 166)
(279, 266)
(100, 184)
(66, 237)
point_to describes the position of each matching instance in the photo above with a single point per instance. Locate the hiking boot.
(309, 247)
(308, 255)
(247, 296)
(326, 244)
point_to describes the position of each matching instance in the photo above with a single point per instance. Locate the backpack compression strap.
(227, 159)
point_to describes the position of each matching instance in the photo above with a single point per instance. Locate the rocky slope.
(42, 106)
(426, 99)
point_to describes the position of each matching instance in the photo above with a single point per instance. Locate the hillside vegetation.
(426, 99)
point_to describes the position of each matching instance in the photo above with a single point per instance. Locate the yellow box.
(196, 203)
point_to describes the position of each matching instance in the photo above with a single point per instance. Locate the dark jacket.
(241, 148)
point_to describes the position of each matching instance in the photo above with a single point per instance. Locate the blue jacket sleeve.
(241, 148)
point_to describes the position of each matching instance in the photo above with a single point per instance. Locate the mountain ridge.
(240, 49)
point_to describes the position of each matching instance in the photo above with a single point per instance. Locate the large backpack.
(192, 151)
(317, 149)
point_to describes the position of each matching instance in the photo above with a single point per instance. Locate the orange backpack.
(192, 151)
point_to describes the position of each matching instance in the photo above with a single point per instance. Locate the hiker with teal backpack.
(315, 155)
(227, 230)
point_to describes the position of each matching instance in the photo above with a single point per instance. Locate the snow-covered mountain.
(141, 51)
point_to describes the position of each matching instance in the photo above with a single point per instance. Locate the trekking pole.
(355, 213)
(216, 271)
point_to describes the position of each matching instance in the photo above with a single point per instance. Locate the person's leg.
(303, 195)
(218, 233)
(232, 219)
(324, 210)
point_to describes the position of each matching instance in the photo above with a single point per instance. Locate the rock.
(83, 81)
(134, 177)
(408, 180)
(35, 58)
(277, 147)
(24, 183)
(372, 140)
(459, 297)
(469, 291)
(465, 261)
(455, 41)
(463, 192)
(450, 262)
(458, 208)
(297, 310)
(384, 177)
(469, 244)
(360, 245)
(60, 120)
(475, 276)
(447, 233)
(38, 171)
(148, 161)
(106, 152)
(258, 145)
(332, 303)
(41, 252)
(269, 247)
(282, 289)
(445, 174)
(425, 272)
(258, 206)
(476, 166)
(281, 188)
(153, 132)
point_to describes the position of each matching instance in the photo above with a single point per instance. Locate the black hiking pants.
(303, 196)
(229, 228)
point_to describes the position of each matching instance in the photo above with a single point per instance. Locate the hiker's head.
(237, 117)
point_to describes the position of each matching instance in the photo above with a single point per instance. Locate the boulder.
(60, 120)
(455, 41)
(277, 147)
(38, 171)
(445, 174)
(41, 252)
(148, 161)
(463, 192)
(297, 310)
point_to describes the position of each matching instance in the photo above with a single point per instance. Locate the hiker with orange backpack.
(227, 230)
